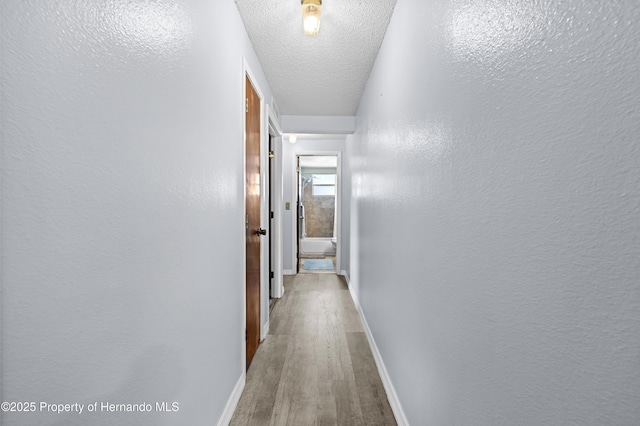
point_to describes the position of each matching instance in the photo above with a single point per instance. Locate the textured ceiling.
(321, 75)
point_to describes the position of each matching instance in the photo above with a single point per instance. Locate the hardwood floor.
(315, 367)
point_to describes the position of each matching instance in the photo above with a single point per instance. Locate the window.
(324, 185)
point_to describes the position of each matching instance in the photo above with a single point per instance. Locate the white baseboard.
(265, 331)
(394, 401)
(345, 275)
(232, 403)
(288, 272)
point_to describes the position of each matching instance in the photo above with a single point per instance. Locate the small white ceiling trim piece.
(318, 124)
(318, 137)
(321, 75)
(319, 161)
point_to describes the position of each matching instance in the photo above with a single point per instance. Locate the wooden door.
(252, 224)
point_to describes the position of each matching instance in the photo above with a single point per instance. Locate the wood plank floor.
(315, 367)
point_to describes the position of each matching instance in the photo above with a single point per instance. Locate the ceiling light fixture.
(292, 138)
(311, 11)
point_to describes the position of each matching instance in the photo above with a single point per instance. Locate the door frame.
(247, 73)
(277, 290)
(294, 196)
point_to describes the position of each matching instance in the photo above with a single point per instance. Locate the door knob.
(261, 231)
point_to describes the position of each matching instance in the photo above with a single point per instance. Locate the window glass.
(324, 179)
(324, 190)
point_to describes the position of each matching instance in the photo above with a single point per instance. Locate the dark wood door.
(252, 187)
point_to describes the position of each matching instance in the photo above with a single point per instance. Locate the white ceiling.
(321, 75)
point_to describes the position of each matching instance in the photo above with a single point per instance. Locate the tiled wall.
(319, 213)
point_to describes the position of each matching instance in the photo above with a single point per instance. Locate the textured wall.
(122, 224)
(319, 211)
(497, 159)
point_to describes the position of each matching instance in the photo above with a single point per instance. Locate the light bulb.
(311, 11)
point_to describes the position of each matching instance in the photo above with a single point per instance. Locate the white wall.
(122, 206)
(495, 216)
(316, 124)
(314, 144)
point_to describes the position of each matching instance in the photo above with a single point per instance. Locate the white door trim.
(277, 290)
(297, 152)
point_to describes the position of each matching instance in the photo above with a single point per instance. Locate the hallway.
(315, 366)
(488, 192)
